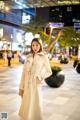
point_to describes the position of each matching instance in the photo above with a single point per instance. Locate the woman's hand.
(21, 92)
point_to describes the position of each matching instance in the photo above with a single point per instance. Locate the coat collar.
(41, 53)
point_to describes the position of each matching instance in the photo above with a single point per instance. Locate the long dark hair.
(40, 43)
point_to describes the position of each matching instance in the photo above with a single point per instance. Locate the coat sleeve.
(21, 86)
(46, 71)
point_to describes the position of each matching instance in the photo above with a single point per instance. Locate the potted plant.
(76, 64)
(57, 77)
(64, 60)
(78, 67)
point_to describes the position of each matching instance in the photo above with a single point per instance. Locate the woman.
(36, 68)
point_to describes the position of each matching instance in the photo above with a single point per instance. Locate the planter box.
(56, 79)
(78, 68)
(64, 61)
(76, 65)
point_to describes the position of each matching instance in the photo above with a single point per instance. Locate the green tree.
(70, 37)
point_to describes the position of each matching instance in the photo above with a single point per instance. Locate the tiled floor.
(61, 103)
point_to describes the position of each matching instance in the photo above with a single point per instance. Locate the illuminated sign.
(77, 26)
(26, 18)
(57, 24)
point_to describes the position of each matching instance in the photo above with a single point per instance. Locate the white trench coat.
(37, 68)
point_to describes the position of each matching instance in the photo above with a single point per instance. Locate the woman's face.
(35, 47)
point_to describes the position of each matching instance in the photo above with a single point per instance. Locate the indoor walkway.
(61, 103)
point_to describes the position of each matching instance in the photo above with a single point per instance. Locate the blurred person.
(9, 57)
(36, 69)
